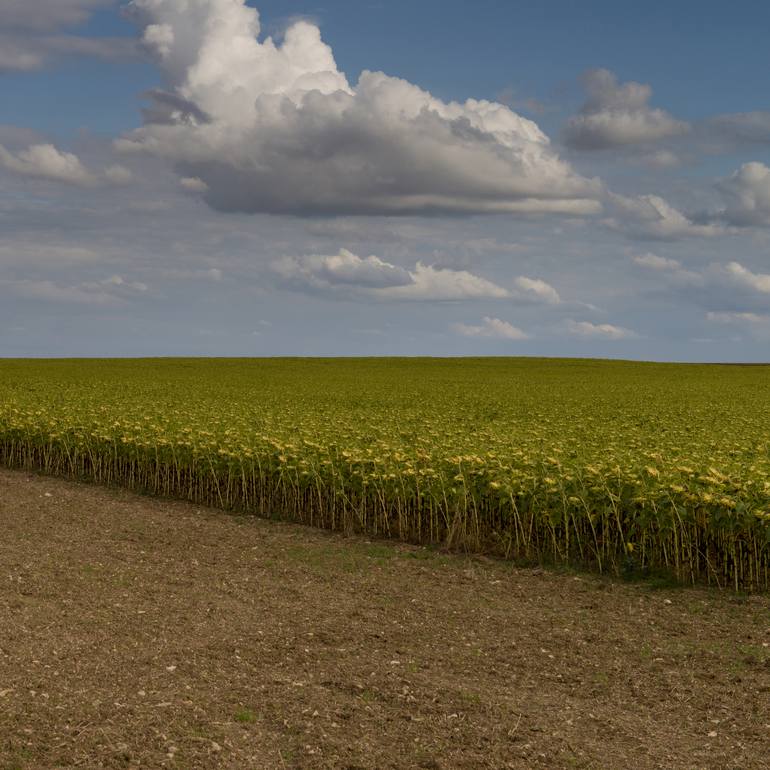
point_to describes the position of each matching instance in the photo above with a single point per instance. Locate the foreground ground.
(137, 632)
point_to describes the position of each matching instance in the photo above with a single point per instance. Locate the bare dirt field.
(138, 632)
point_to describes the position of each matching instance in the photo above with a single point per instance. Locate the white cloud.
(277, 128)
(118, 174)
(747, 195)
(717, 279)
(654, 262)
(605, 331)
(374, 277)
(432, 283)
(616, 115)
(44, 161)
(672, 269)
(744, 277)
(345, 269)
(118, 281)
(491, 328)
(193, 184)
(650, 216)
(538, 290)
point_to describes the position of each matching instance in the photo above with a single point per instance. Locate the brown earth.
(138, 632)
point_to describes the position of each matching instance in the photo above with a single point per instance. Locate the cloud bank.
(277, 128)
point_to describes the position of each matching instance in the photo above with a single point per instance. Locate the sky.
(360, 177)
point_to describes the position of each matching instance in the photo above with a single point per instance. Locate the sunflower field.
(612, 466)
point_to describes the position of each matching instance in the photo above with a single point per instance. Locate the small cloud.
(747, 196)
(652, 217)
(342, 269)
(371, 271)
(432, 283)
(492, 328)
(618, 114)
(374, 277)
(739, 318)
(214, 273)
(44, 161)
(193, 184)
(757, 325)
(672, 269)
(538, 290)
(654, 262)
(118, 280)
(744, 277)
(110, 291)
(118, 174)
(660, 159)
(604, 331)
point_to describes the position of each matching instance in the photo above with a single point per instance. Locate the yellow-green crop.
(601, 464)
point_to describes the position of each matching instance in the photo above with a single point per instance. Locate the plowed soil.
(136, 632)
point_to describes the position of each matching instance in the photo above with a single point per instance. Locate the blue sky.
(605, 192)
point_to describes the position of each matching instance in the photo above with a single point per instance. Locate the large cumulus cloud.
(278, 128)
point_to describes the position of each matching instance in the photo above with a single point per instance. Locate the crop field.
(613, 466)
